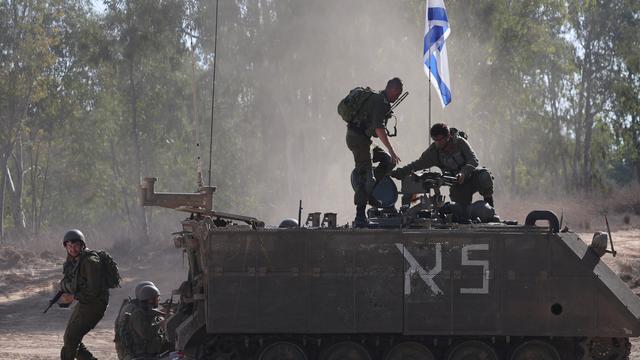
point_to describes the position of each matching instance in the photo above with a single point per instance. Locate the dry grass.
(581, 212)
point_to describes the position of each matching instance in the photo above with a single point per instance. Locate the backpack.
(349, 107)
(123, 337)
(112, 276)
(458, 133)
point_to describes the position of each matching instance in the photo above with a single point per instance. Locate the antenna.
(613, 251)
(213, 90)
(194, 92)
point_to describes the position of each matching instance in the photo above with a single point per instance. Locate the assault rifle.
(389, 114)
(53, 300)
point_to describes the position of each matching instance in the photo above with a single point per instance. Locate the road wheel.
(282, 350)
(410, 351)
(535, 350)
(346, 350)
(472, 350)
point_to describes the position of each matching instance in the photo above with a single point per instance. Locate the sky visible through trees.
(96, 95)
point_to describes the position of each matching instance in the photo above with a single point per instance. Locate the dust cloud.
(325, 49)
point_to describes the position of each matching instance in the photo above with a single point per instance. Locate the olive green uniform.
(458, 157)
(371, 116)
(84, 278)
(127, 307)
(147, 338)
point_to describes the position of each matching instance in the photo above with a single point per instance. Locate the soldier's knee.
(380, 155)
(485, 182)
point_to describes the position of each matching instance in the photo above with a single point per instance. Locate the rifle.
(53, 300)
(167, 305)
(389, 114)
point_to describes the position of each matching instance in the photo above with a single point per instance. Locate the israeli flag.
(436, 63)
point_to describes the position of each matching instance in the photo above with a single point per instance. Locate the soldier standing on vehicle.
(141, 329)
(84, 282)
(454, 156)
(366, 113)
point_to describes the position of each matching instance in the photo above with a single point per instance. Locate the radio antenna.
(213, 90)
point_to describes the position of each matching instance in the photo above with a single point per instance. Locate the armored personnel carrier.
(419, 286)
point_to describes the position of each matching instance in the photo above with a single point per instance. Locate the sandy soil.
(27, 333)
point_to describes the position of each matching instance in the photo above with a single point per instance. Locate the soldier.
(83, 281)
(454, 156)
(370, 121)
(142, 327)
(128, 305)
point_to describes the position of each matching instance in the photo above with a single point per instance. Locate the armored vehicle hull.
(497, 291)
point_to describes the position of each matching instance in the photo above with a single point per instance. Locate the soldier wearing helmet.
(127, 307)
(143, 326)
(453, 155)
(83, 282)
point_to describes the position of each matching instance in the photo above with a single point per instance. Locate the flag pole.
(429, 60)
(429, 75)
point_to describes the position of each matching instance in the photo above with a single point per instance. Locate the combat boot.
(361, 220)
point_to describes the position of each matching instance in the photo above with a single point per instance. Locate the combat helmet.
(141, 285)
(74, 235)
(148, 292)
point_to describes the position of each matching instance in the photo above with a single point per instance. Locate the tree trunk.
(18, 182)
(44, 188)
(3, 182)
(117, 175)
(513, 159)
(140, 210)
(35, 154)
(586, 167)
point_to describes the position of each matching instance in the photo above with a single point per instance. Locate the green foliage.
(91, 102)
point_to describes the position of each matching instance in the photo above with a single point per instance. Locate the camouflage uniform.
(84, 278)
(372, 115)
(147, 338)
(457, 157)
(127, 307)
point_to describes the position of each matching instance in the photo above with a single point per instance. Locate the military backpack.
(350, 106)
(112, 276)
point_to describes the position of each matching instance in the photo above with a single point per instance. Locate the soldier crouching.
(453, 155)
(139, 331)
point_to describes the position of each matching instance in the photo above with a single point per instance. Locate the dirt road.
(27, 333)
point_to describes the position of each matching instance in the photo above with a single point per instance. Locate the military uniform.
(128, 305)
(456, 157)
(372, 115)
(84, 278)
(146, 337)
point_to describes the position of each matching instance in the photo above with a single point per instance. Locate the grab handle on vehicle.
(534, 216)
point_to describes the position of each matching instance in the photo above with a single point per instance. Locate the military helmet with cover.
(74, 235)
(148, 292)
(141, 285)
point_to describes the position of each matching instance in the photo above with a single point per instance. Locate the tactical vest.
(123, 338)
(452, 161)
(138, 345)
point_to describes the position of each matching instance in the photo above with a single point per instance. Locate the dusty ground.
(27, 333)
(27, 281)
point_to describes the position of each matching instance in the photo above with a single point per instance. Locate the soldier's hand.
(66, 299)
(460, 178)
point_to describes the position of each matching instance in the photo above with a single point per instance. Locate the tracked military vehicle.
(419, 286)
